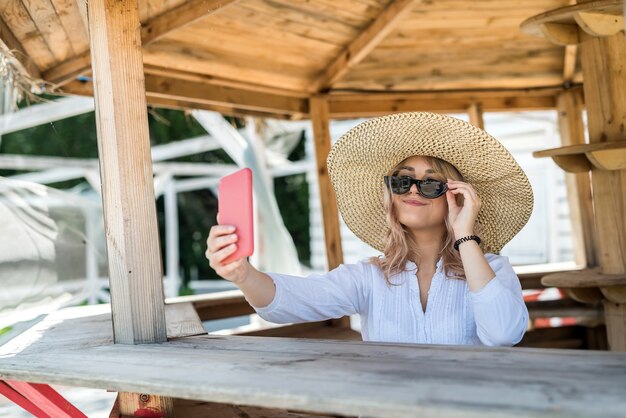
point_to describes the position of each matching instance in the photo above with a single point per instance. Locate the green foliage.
(76, 138)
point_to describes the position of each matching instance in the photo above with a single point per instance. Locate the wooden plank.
(126, 172)
(569, 63)
(363, 44)
(615, 316)
(178, 55)
(562, 308)
(85, 89)
(319, 109)
(602, 60)
(179, 17)
(200, 409)
(479, 79)
(567, 15)
(336, 377)
(583, 278)
(49, 26)
(158, 86)
(182, 320)
(10, 46)
(151, 31)
(368, 106)
(201, 78)
(69, 14)
(21, 25)
(218, 305)
(475, 112)
(571, 127)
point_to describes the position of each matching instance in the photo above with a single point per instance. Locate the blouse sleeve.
(499, 310)
(317, 297)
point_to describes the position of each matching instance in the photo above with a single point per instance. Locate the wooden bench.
(74, 347)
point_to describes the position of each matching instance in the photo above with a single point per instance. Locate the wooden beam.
(126, 172)
(569, 63)
(198, 94)
(218, 81)
(159, 86)
(152, 30)
(571, 127)
(187, 13)
(475, 112)
(605, 81)
(356, 105)
(132, 238)
(12, 47)
(330, 213)
(367, 40)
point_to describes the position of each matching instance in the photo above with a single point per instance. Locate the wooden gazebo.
(324, 60)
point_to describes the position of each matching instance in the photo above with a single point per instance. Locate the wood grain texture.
(182, 320)
(131, 231)
(583, 278)
(74, 347)
(572, 131)
(330, 214)
(12, 47)
(21, 25)
(153, 29)
(475, 112)
(367, 40)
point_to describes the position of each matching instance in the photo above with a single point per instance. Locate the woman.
(439, 198)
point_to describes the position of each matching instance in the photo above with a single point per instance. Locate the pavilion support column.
(475, 112)
(135, 271)
(571, 128)
(604, 70)
(318, 107)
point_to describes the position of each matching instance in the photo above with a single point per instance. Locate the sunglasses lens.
(432, 188)
(398, 185)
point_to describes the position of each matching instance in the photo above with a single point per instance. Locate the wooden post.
(571, 127)
(330, 214)
(135, 272)
(602, 60)
(475, 112)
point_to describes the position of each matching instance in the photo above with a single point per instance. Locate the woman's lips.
(414, 203)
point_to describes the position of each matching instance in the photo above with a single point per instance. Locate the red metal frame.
(39, 399)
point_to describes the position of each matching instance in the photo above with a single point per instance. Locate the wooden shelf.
(581, 158)
(561, 26)
(589, 285)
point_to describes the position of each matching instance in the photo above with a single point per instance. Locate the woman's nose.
(413, 188)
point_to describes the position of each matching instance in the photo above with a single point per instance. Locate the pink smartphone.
(234, 194)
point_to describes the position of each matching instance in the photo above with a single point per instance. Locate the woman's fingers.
(219, 237)
(217, 257)
(221, 242)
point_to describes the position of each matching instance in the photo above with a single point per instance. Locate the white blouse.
(495, 315)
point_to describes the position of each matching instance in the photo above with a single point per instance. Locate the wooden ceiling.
(221, 52)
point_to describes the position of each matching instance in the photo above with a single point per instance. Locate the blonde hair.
(400, 245)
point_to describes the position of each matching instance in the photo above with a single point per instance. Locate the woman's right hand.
(221, 243)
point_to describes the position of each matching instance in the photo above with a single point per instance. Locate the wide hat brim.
(358, 161)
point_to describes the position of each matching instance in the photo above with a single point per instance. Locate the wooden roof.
(295, 48)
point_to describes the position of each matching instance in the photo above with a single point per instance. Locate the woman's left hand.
(462, 218)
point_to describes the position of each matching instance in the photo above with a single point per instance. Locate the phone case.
(235, 208)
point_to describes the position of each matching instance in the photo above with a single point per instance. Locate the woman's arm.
(500, 313)
(281, 298)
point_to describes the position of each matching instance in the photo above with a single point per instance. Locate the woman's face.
(414, 211)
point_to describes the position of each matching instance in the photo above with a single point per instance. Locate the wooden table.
(74, 347)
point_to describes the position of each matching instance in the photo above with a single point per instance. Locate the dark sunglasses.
(429, 188)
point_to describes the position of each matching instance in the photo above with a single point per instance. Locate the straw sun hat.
(358, 161)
